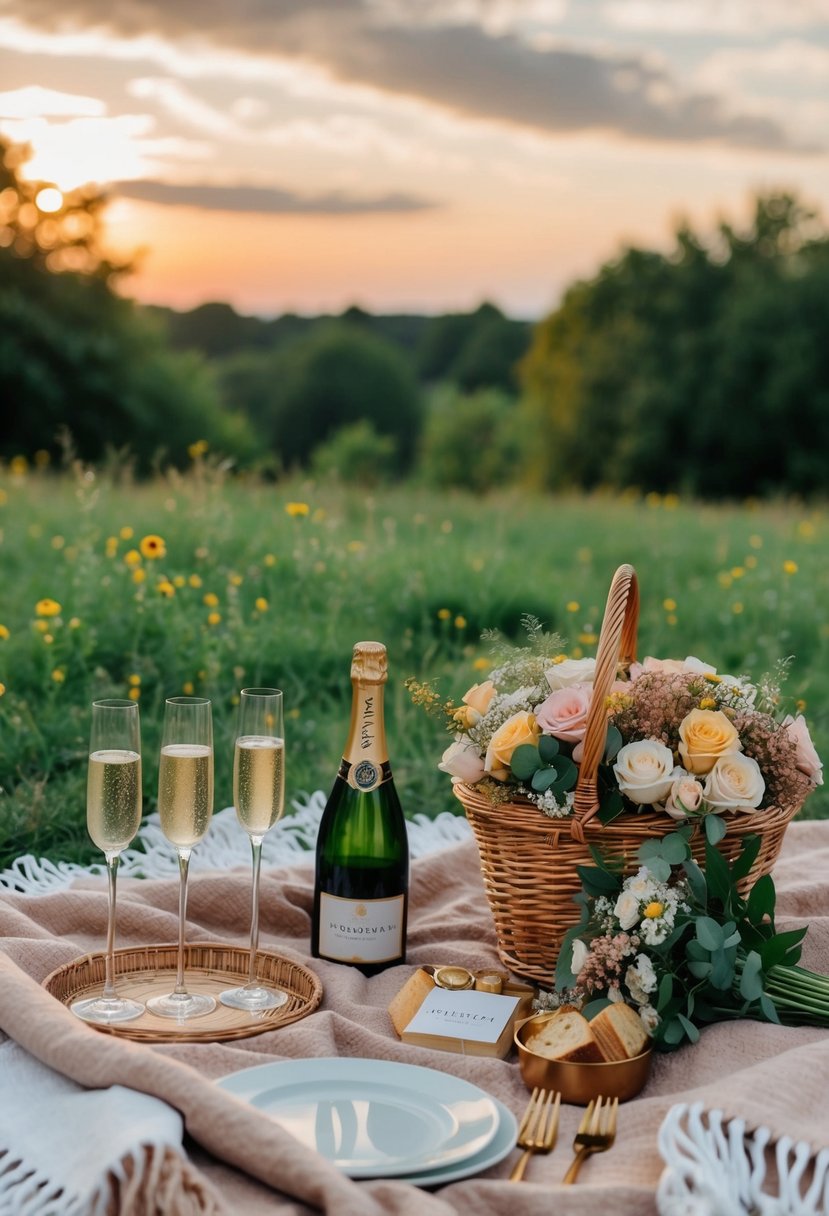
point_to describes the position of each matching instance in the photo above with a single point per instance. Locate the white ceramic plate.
(373, 1118)
(498, 1148)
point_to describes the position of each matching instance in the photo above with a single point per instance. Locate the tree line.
(702, 370)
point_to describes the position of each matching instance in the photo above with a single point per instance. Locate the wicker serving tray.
(211, 967)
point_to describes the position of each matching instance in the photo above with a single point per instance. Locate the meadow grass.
(264, 584)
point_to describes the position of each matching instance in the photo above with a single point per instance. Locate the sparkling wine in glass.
(185, 805)
(259, 798)
(113, 816)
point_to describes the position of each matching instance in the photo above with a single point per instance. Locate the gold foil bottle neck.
(369, 663)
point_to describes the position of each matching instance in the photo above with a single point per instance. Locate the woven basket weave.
(529, 862)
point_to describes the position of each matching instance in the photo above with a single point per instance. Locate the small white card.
(463, 1015)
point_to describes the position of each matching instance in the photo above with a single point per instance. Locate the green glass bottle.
(362, 873)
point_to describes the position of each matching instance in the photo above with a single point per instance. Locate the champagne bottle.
(362, 870)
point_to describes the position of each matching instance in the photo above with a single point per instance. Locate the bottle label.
(361, 930)
(364, 775)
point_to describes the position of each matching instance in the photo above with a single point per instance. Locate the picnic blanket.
(234, 1159)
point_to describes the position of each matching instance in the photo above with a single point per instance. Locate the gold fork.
(539, 1127)
(596, 1133)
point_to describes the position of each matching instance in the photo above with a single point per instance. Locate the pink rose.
(808, 761)
(564, 714)
(671, 666)
(462, 761)
(684, 796)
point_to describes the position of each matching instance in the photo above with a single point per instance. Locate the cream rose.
(808, 761)
(626, 910)
(462, 761)
(520, 728)
(570, 671)
(735, 783)
(645, 771)
(684, 796)
(475, 704)
(580, 956)
(564, 714)
(704, 736)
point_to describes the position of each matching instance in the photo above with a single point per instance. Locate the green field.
(288, 594)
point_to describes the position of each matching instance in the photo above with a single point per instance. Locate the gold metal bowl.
(579, 1083)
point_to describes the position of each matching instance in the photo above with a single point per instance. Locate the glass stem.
(109, 976)
(256, 851)
(183, 867)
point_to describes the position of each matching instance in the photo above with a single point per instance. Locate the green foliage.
(476, 442)
(719, 957)
(473, 350)
(336, 376)
(78, 360)
(703, 371)
(423, 571)
(356, 455)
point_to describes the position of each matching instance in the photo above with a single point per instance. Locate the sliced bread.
(619, 1032)
(566, 1036)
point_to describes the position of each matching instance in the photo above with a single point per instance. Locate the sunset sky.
(412, 155)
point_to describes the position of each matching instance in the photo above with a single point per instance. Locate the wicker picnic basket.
(530, 862)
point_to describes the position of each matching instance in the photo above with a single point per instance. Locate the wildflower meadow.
(201, 583)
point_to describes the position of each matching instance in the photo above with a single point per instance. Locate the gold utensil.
(596, 1133)
(539, 1127)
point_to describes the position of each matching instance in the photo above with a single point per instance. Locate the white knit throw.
(225, 846)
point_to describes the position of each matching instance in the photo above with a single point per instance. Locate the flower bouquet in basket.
(554, 757)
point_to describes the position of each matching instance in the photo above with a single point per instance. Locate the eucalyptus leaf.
(769, 1008)
(751, 980)
(689, 1028)
(524, 762)
(715, 828)
(722, 970)
(596, 881)
(664, 991)
(695, 950)
(543, 778)
(696, 880)
(547, 748)
(674, 1032)
(709, 933)
(660, 868)
(649, 848)
(700, 970)
(567, 772)
(674, 848)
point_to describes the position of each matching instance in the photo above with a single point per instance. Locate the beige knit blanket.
(241, 1162)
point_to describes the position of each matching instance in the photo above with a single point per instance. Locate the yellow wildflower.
(4, 632)
(737, 571)
(261, 604)
(806, 528)
(296, 509)
(724, 579)
(165, 587)
(18, 465)
(58, 542)
(789, 567)
(238, 672)
(756, 542)
(152, 547)
(446, 526)
(481, 664)
(444, 614)
(294, 713)
(213, 618)
(460, 622)
(671, 502)
(47, 607)
(43, 626)
(179, 581)
(138, 576)
(588, 638)
(194, 580)
(75, 622)
(47, 639)
(708, 703)
(736, 607)
(235, 580)
(134, 694)
(132, 557)
(654, 910)
(573, 606)
(134, 679)
(270, 559)
(210, 599)
(669, 605)
(187, 688)
(750, 562)
(356, 546)
(58, 675)
(671, 618)
(2, 690)
(197, 449)
(559, 658)
(126, 533)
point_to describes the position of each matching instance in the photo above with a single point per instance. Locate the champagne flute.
(113, 815)
(259, 798)
(185, 805)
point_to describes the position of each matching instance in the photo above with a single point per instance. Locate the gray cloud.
(264, 200)
(461, 68)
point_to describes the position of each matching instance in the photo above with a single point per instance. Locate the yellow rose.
(520, 728)
(705, 735)
(475, 704)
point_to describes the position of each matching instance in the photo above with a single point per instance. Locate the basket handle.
(617, 642)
